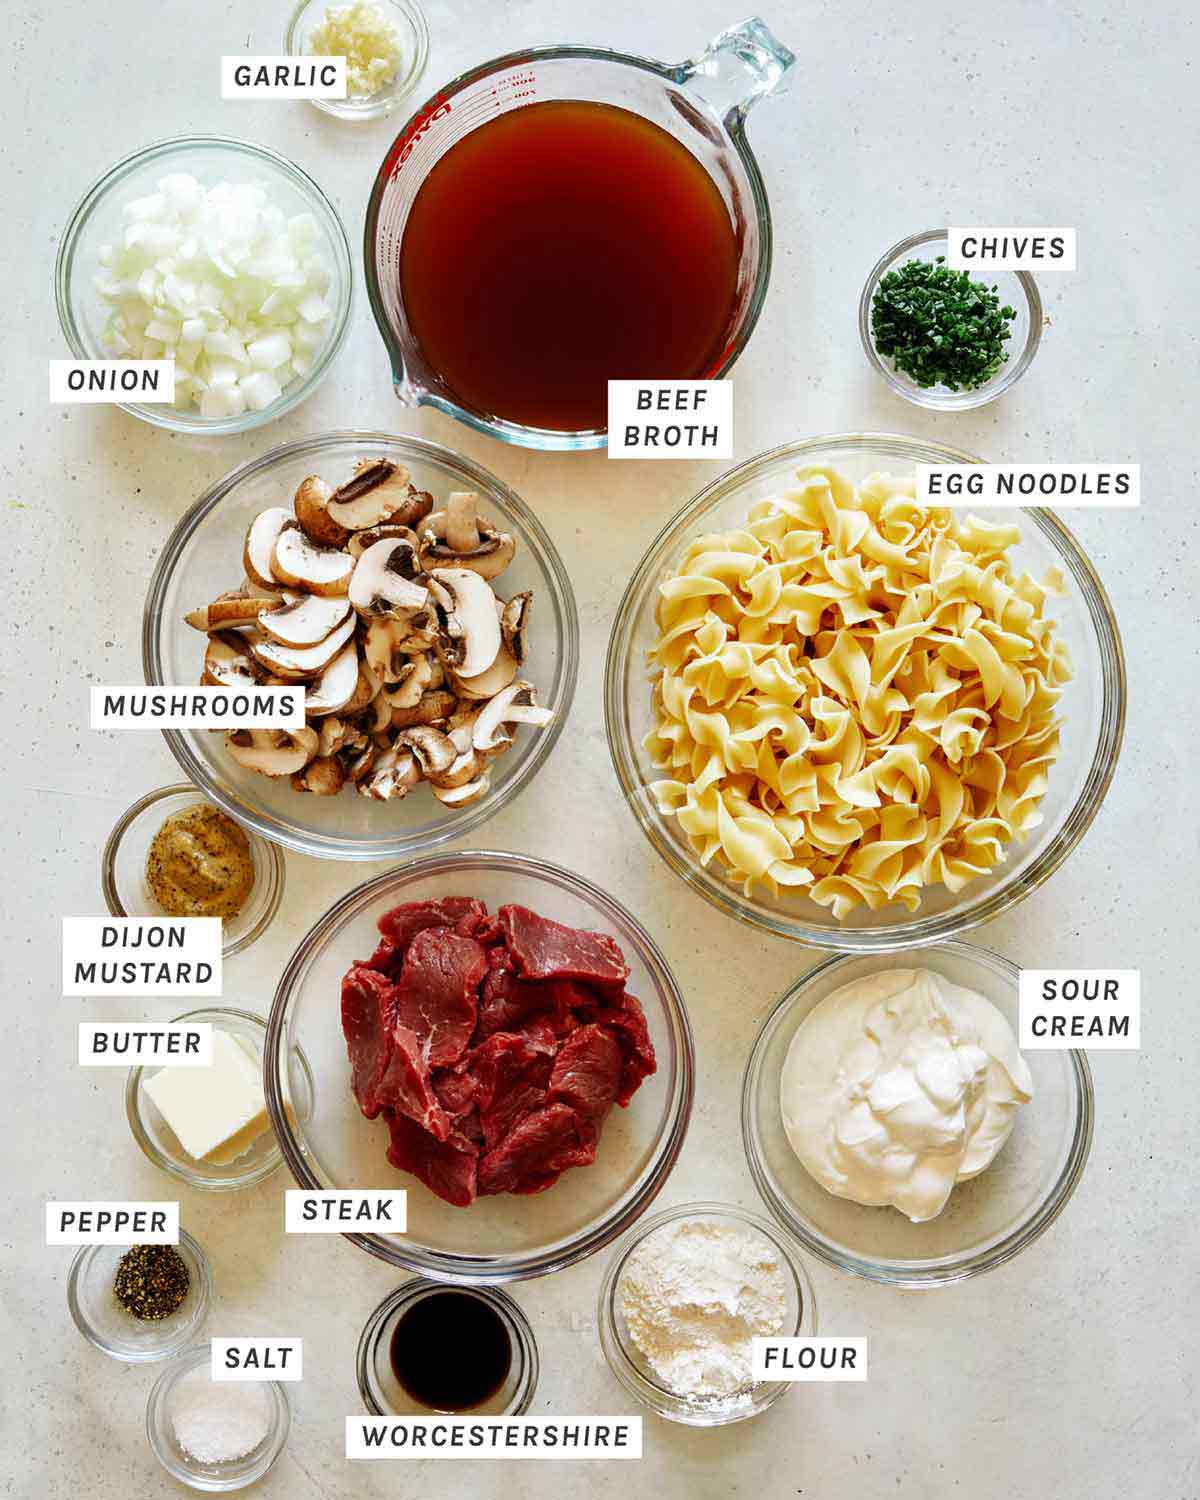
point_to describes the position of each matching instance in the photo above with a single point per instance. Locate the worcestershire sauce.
(560, 246)
(451, 1351)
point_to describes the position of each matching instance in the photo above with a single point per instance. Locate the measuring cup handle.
(737, 68)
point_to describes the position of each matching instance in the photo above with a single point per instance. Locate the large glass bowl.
(988, 1219)
(204, 556)
(1092, 707)
(212, 159)
(503, 1238)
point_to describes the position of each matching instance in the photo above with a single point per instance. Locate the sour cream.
(897, 1086)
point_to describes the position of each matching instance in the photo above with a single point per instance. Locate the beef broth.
(560, 246)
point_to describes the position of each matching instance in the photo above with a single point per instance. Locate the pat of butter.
(217, 1112)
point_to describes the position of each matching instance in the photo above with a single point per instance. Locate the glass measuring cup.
(702, 102)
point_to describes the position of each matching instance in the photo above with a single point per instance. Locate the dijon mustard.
(200, 865)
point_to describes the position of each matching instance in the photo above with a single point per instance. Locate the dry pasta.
(854, 694)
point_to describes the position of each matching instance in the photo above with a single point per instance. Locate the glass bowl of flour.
(683, 1298)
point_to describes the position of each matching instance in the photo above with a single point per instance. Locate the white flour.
(694, 1294)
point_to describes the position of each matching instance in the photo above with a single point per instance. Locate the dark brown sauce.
(451, 1351)
(560, 246)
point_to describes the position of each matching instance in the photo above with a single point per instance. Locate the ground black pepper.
(151, 1281)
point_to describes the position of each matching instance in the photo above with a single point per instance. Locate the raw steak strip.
(436, 992)
(540, 1147)
(545, 949)
(627, 1021)
(368, 1016)
(447, 1168)
(456, 1089)
(402, 923)
(587, 1072)
(406, 1087)
(512, 1070)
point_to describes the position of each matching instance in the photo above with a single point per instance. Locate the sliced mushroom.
(465, 767)
(229, 662)
(360, 763)
(515, 705)
(394, 774)
(489, 683)
(435, 751)
(378, 491)
(423, 633)
(380, 715)
(299, 561)
(310, 504)
(323, 776)
(459, 535)
(336, 685)
(385, 579)
(365, 689)
(260, 544)
(382, 647)
(336, 735)
(460, 796)
(361, 540)
(413, 680)
(469, 634)
(236, 608)
(303, 663)
(273, 752)
(304, 619)
(428, 709)
(514, 624)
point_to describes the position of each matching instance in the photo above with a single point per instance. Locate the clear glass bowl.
(382, 1393)
(988, 1219)
(203, 556)
(408, 19)
(1016, 289)
(502, 1238)
(1092, 707)
(123, 867)
(626, 1360)
(104, 1322)
(221, 1477)
(212, 159)
(159, 1141)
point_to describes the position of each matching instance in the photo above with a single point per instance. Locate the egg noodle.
(855, 694)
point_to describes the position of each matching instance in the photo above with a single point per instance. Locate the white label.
(197, 707)
(258, 1359)
(283, 78)
(118, 1044)
(1104, 486)
(97, 382)
(357, 1210)
(808, 1359)
(493, 1437)
(112, 1223)
(1100, 1009)
(670, 419)
(1011, 249)
(141, 956)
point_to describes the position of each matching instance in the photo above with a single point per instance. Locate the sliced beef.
(530, 1158)
(447, 1167)
(436, 992)
(368, 1017)
(506, 1001)
(406, 1087)
(627, 1021)
(456, 1089)
(387, 959)
(402, 923)
(586, 1076)
(545, 949)
(512, 1070)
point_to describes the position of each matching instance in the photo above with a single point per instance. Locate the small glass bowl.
(626, 1361)
(123, 867)
(501, 1238)
(104, 1322)
(159, 1141)
(989, 1218)
(203, 556)
(239, 1472)
(408, 19)
(210, 158)
(382, 1393)
(1016, 289)
(1092, 708)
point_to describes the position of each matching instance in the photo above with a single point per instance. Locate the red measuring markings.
(402, 147)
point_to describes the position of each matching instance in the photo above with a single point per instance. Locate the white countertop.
(1071, 1371)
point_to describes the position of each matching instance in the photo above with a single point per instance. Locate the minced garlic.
(362, 34)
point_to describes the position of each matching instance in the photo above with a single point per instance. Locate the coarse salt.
(218, 1421)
